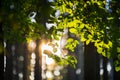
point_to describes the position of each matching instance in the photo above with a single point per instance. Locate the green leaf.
(73, 30)
(117, 68)
(70, 40)
(118, 49)
(87, 42)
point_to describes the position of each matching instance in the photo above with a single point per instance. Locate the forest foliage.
(96, 21)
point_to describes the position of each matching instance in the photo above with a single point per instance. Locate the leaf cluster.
(16, 18)
(66, 60)
(92, 21)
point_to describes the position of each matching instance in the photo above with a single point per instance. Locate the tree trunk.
(38, 64)
(9, 63)
(91, 63)
(105, 74)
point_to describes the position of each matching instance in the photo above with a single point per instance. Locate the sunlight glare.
(31, 77)
(49, 61)
(49, 74)
(32, 61)
(78, 71)
(33, 56)
(46, 47)
(20, 75)
(31, 45)
(57, 72)
(109, 67)
(101, 71)
(4, 44)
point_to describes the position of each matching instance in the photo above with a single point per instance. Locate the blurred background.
(27, 61)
